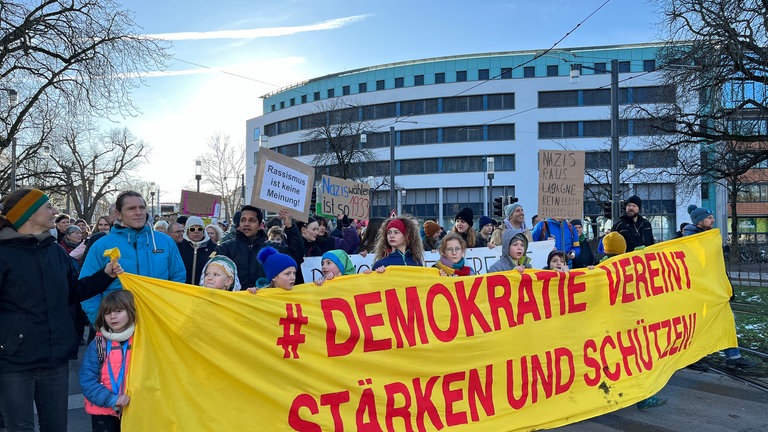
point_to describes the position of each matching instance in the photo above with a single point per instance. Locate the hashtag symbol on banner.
(292, 335)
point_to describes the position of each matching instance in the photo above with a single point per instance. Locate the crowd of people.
(43, 318)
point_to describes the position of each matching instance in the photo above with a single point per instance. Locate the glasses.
(453, 249)
(193, 229)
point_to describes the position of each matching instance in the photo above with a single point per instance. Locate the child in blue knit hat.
(279, 268)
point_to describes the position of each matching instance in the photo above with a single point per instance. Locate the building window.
(345, 90)
(562, 98)
(362, 87)
(506, 73)
(399, 82)
(303, 99)
(380, 85)
(558, 130)
(600, 68)
(282, 104)
(418, 80)
(501, 101)
(439, 77)
(552, 70)
(461, 76)
(293, 101)
(331, 93)
(529, 72)
(316, 96)
(649, 65)
(273, 107)
(483, 74)
(623, 66)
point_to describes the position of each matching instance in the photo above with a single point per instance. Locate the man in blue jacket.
(142, 250)
(565, 236)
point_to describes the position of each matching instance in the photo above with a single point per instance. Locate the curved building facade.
(446, 117)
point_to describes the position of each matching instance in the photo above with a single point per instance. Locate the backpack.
(101, 348)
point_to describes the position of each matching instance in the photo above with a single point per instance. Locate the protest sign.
(281, 182)
(344, 197)
(561, 184)
(199, 203)
(408, 349)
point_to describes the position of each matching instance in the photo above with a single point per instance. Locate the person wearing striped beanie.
(39, 285)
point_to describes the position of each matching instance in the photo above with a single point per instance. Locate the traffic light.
(607, 209)
(511, 199)
(498, 206)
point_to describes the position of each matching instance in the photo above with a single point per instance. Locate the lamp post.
(152, 194)
(615, 199)
(490, 168)
(392, 202)
(198, 172)
(13, 99)
(403, 194)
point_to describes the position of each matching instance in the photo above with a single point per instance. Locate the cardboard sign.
(477, 258)
(561, 184)
(344, 197)
(281, 182)
(199, 203)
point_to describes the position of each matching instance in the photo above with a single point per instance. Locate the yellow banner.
(408, 350)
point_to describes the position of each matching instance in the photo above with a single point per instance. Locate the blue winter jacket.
(550, 227)
(397, 258)
(143, 252)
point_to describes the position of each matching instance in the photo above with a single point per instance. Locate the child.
(220, 272)
(275, 237)
(556, 261)
(452, 250)
(335, 263)
(104, 368)
(279, 268)
(399, 243)
(514, 255)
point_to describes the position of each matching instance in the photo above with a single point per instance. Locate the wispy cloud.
(261, 32)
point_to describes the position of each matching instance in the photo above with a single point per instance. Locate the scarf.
(451, 269)
(118, 337)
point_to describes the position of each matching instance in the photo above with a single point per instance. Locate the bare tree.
(223, 166)
(717, 59)
(89, 167)
(335, 128)
(67, 59)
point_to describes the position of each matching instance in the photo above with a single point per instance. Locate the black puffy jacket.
(38, 284)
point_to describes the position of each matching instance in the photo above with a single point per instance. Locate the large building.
(450, 114)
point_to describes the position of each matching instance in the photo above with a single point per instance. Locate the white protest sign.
(281, 182)
(561, 184)
(477, 258)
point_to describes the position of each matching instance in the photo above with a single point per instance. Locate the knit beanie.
(228, 266)
(699, 214)
(509, 209)
(691, 208)
(274, 262)
(614, 243)
(483, 221)
(520, 236)
(342, 261)
(634, 199)
(555, 253)
(577, 222)
(430, 228)
(467, 215)
(397, 224)
(19, 206)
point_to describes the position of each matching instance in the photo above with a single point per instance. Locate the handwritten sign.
(199, 203)
(561, 184)
(281, 182)
(344, 197)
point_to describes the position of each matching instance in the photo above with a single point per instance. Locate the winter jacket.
(551, 227)
(635, 233)
(242, 251)
(143, 252)
(38, 284)
(397, 258)
(506, 263)
(95, 381)
(195, 257)
(349, 243)
(585, 257)
(691, 229)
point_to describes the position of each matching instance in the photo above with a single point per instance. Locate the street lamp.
(490, 169)
(152, 194)
(615, 199)
(198, 172)
(403, 193)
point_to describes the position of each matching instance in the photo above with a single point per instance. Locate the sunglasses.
(193, 229)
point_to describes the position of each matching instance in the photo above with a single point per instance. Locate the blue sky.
(227, 54)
